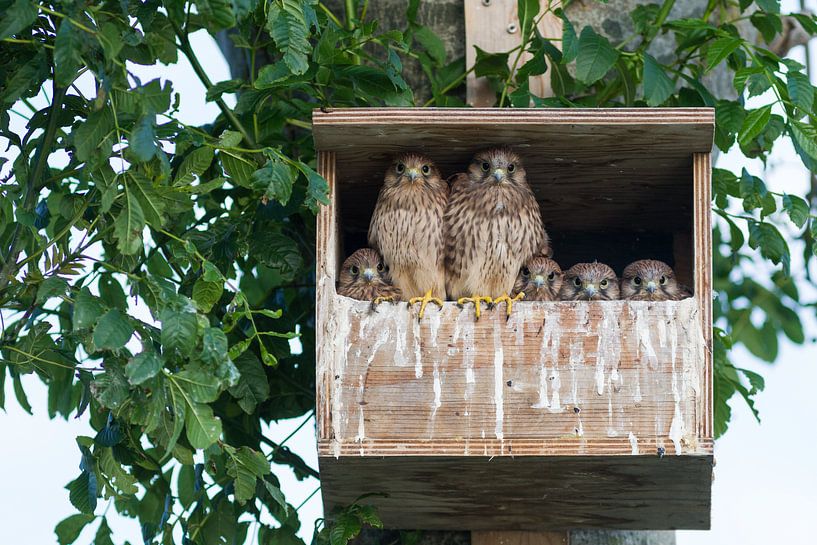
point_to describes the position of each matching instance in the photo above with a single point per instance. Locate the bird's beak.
(590, 290)
(651, 287)
(413, 174)
(368, 274)
(499, 175)
(538, 280)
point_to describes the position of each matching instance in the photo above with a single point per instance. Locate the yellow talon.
(381, 299)
(424, 301)
(477, 300)
(509, 302)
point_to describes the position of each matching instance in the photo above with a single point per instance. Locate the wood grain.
(519, 538)
(495, 28)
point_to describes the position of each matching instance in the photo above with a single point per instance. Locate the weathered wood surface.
(493, 26)
(519, 538)
(526, 492)
(556, 378)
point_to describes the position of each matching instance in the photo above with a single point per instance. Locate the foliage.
(154, 275)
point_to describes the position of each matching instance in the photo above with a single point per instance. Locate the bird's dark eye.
(603, 284)
(637, 280)
(525, 272)
(663, 280)
(552, 275)
(401, 168)
(511, 167)
(380, 267)
(577, 282)
(426, 169)
(486, 167)
(354, 270)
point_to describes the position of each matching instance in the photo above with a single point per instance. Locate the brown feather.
(651, 280)
(540, 279)
(589, 282)
(352, 281)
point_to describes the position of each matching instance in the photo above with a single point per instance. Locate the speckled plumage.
(493, 226)
(589, 282)
(540, 279)
(365, 276)
(407, 225)
(651, 280)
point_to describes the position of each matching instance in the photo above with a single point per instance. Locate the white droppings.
(499, 384)
(642, 328)
(676, 429)
(550, 336)
(608, 352)
(438, 390)
(434, 315)
(418, 355)
(633, 443)
(400, 343)
(465, 328)
(576, 359)
(381, 339)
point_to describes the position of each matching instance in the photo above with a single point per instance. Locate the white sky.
(765, 488)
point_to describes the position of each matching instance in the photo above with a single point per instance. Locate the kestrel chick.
(651, 280)
(365, 276)
(589, 282)
(540, 279)
(493, 226)
(407, 227)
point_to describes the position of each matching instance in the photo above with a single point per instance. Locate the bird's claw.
(424, 301)
(509, 301)
(377, 300)
(477, 300)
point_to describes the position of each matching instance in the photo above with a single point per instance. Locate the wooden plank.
(526, 492)
(326, 263)
(703, 274)
(519, 538)
(556, 378)
(493, 26)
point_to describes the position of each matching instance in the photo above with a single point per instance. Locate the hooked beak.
(499, 175)
(538, 280)
(590, 290)
(413, 174)
(651, 287)
(368, 274)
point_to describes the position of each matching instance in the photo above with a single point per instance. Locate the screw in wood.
(512, 28)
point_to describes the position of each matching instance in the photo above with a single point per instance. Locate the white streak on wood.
(382, 337)
(437, 390)
(576, 359)
(361, 429)
(433, 314)
(633, 443)
(609, 346)
(550, 336)
(499, 384)
(418, 354)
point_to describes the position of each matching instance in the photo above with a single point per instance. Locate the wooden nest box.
(568, 414)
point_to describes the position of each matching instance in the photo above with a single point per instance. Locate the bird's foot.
(424, 301)
(377, 300)
(509, 301)
(477, 300)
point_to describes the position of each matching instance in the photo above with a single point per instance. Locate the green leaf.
(103, 534)
(238, 167)
(754, 123)
(272, 75)
(800, 90)
(152, 205)
(771, 6)
(143, 367)
(202, 386)
(720, 49)
(178, 330)
(213, 346)
(87, 310)
(112, 331)
(218, 14)
(772, 245)
(432, 44)
(143, 138)
(68, 529)
(526, 11)
(94, 135)
(18, 16)
(187, 485)
(797, 209)
(570, 41)
(278, 252)
(252, 387)
(129, 225)
(53, 286)
(194, 165)
(491, 64)
(658, 87)
(752, 190)
(596, 56)
(287, 27)
(67, 53)
(275, 179)
(805, 136)
(82, 492)
(276, 494)
(206, 294)
(203, 429)
(239, 348)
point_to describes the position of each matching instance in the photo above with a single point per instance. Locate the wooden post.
(493, 26)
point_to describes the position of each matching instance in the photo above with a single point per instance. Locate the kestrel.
(651, 280)
(589, 282)
(540, 279)
(407, 227)
(493, 226)
(365, 276)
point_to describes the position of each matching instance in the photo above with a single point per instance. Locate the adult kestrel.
(651, 280)
(407, 227)
(589, 282)
(493, 226)
(365, 276)
(540, 279)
